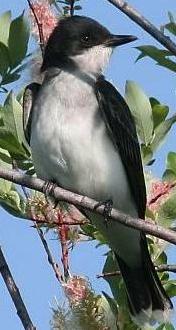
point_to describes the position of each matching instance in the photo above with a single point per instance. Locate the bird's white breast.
(69, 141)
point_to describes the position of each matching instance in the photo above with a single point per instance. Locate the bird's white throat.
(93, 60)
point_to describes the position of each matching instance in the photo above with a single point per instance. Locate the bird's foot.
(48, 189)
(108, 205)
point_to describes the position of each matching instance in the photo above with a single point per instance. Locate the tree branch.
(146, 25)
(61, 194)
(15, 294)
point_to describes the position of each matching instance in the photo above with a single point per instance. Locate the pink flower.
(76, 289)
(159, 192)
(46, 18)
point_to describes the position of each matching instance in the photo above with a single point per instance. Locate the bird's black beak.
(118, 40)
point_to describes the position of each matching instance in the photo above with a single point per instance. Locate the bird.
(83, 137)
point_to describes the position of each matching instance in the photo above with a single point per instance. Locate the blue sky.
(18, 239)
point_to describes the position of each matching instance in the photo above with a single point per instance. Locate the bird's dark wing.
(122, 130)
(29, 97)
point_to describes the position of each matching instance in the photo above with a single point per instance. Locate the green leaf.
(89, 230)
(167, 212)
(159, 111)
(113, 281)
(100, 238)
(146, 153)
(10, 77)
(24, 165)
(140, 107)
(5, 20)
(166, 326)
(169, 175)
(161, 132)
(110, 318)
(170, 172)
(77, 7)
(10, 199)
(170, 288)
(9, 142)
(4, 60)
(159, 55)
(171, 17)
(13, 203)
(171, 27)
(31, 172)
(12, 134)
(12, 117)
(5, 157)
(18, 40)
(112, 303)
(171, 161)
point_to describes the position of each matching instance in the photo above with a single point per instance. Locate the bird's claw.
(108, 204)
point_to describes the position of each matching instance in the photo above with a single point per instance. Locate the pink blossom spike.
(76, 290)
(159, 192)
(46, 18)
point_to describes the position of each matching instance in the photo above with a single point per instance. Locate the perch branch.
(145, 24)
(61, 194)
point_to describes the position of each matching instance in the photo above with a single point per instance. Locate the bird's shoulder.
(29, 96)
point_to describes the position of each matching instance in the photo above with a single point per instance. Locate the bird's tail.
(147, 298)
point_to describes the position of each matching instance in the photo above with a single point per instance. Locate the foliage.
(13, 49)
(66, 4)
(92, 313)
(162, 57)
(151, 120)
(153, 125)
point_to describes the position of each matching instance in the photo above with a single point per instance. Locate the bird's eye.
(85, 38)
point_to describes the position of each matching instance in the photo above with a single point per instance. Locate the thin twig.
(63, 232)
(15, 294)
(51, 260)
(63, 236)
(61, 194)
(55, 222)
(166, 268)
(109, 274)
(146, 25)
(159, 268)
(72, 2)
(40, 28)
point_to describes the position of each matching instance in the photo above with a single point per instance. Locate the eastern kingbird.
(83, 137)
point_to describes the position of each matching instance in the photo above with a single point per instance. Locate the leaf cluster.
(67, 5)
(162, 57)
(151, 120)
(14, 37)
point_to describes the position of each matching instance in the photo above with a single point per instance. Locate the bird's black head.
(80, 41)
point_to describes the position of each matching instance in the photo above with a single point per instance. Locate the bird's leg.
(108, 204)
